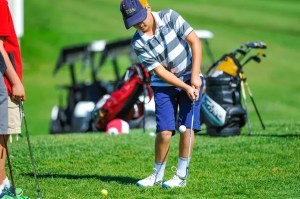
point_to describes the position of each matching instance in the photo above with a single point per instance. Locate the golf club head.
(256, 45)
(241, 51)
(261, 53)
(256, 59)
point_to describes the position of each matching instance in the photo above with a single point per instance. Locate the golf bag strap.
(145, 78)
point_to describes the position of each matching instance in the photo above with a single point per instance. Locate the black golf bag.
(221, 109)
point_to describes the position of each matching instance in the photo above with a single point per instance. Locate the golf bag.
(124, 102)
(221, 108)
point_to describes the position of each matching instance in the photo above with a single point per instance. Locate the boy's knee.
(165, 135)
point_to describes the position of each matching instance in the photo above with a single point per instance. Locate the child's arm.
(193, 90)
(170, 78)
(195, 44)
(18, 91)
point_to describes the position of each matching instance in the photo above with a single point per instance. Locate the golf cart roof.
(204, 34)
(71, 54)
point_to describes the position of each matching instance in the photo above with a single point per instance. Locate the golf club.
(254, 104)
(256, 58)
(245, 102)
(249, 46)
(242, 53)
(9, 164)
(190, 138)
(256, 45)
(39, 191)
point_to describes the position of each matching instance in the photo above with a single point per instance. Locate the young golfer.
(168, 46)
(11, 67)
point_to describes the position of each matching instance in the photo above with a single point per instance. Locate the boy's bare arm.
(195, 44)
(18, 91)
(170, 78)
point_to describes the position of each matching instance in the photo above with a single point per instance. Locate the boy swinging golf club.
(168, 47)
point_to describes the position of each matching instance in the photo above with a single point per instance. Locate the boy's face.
(145, 25)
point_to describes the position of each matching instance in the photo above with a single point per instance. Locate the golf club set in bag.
(222, 110)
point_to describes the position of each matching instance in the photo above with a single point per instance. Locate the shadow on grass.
(119, 179)
(290, 135)
(276, 135)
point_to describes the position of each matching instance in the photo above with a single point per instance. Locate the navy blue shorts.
(173, 108)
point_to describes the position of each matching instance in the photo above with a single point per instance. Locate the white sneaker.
(176, 181)
(150, 181)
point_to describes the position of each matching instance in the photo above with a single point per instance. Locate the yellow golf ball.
(104, 192)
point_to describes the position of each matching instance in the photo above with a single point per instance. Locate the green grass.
(264, 165)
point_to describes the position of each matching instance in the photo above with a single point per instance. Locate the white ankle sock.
(6, 183)
(160, 169)
(182, 166)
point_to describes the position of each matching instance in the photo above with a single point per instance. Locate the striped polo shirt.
(166, 47)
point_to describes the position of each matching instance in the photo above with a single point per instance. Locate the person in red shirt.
(11, 59)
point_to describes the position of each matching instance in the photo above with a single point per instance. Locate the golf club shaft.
(254, 104)
(9, 164)
(242, 56)
(255, 58)
(144, 109)
(246, 105)
(190, 138)
(31, 154)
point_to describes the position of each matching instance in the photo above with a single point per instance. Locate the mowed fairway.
(264, 165)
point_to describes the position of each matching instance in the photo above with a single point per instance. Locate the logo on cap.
(130, 10)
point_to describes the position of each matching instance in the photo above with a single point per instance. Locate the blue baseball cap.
(133, 12)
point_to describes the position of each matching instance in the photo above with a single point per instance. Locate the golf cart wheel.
(150, 122)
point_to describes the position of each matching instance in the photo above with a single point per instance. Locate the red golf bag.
(124, 102)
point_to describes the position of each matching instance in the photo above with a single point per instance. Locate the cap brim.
(135, 19)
